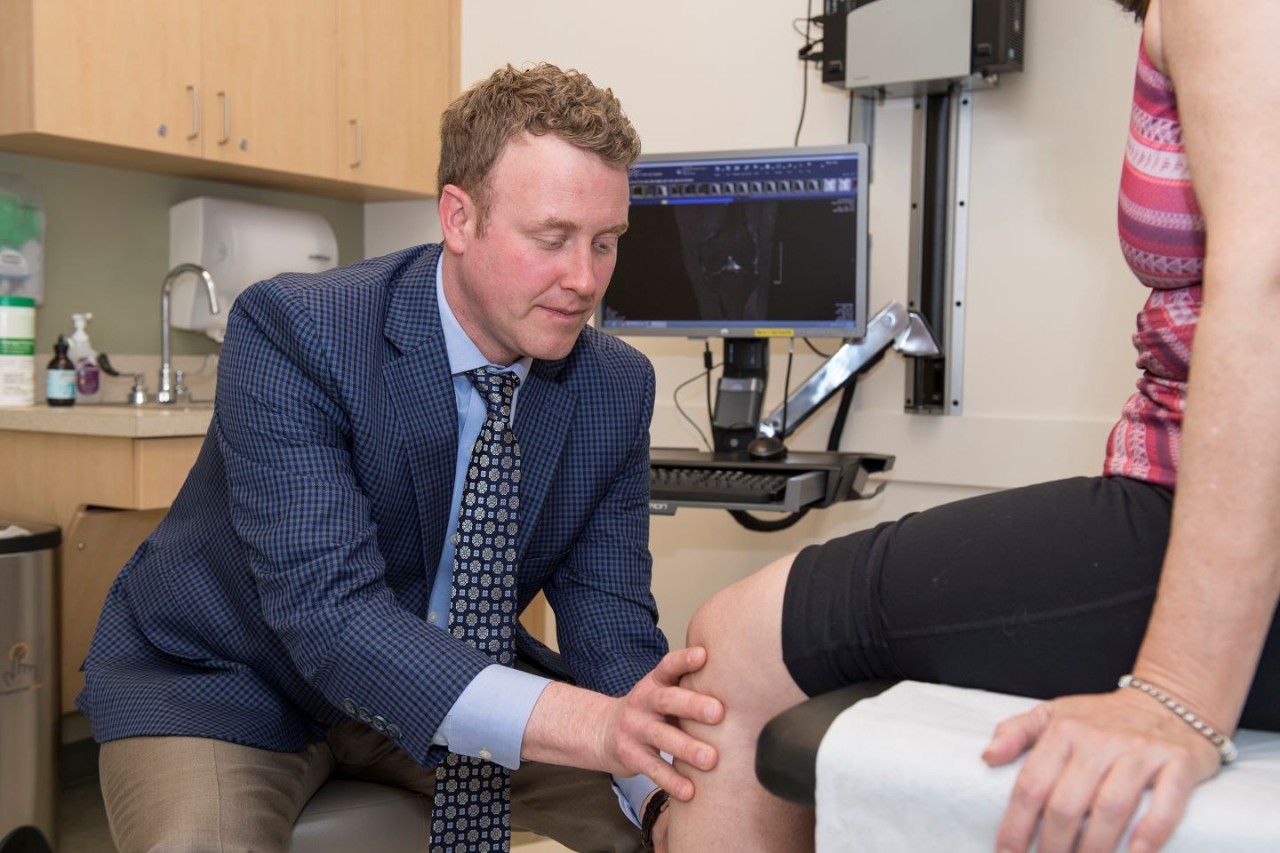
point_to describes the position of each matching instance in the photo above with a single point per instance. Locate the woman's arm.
(1094, 756)
(1222, 571)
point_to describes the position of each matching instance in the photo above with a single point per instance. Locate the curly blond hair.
(543, 99)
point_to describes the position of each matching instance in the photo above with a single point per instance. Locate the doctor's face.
(528, 281)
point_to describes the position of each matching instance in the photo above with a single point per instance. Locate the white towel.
(903, 772)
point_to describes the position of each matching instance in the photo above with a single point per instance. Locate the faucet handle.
(181, 393)
(138, 393)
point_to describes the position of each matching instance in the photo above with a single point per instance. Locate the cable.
(809, 343)
(804, 54)
(675, 398)
(707, 363)
(786, 386)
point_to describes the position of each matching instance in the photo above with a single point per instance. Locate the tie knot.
(497, 387)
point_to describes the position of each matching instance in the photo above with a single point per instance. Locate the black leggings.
(1041, 591)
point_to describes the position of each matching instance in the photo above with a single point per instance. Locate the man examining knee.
(403, 453)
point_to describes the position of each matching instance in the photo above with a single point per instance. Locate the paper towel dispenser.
(239, 243)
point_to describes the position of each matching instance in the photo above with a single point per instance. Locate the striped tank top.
(1163, 238)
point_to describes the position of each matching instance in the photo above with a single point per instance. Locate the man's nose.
(580, 274)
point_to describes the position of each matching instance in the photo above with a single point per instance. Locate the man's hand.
(624, 735)
(638, 726)
(1092, 757)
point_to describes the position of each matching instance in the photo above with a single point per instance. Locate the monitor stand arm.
(895, 326)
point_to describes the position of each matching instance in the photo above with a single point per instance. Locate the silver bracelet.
(1226, 749)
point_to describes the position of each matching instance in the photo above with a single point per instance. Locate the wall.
(106, 247)
(1048, 361)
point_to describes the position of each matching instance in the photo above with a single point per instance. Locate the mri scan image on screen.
(744, 244)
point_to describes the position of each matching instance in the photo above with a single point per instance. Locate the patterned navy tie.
(473, 804)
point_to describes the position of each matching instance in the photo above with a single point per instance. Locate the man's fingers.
(642, 760)
(663, 695)
(676, 665)
(685, 704)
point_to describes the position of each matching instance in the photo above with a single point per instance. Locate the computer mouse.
(766, 447)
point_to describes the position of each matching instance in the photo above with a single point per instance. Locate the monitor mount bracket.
(905, 331)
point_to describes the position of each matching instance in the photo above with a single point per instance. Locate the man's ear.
(457, 217)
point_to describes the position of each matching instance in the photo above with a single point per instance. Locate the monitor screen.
(743, 244)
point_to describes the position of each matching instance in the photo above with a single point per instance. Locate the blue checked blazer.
(287, 587)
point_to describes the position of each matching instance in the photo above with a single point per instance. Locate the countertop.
(108, 420)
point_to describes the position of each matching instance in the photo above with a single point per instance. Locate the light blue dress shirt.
(489, 717)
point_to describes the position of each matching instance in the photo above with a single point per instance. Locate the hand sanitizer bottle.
(83, 356)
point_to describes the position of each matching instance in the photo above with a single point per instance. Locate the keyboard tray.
(814, 479)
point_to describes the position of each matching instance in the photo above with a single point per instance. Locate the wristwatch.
(656, 806)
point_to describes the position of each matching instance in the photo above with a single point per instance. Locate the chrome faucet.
(166, 395)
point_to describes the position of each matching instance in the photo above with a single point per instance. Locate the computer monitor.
(744, 244)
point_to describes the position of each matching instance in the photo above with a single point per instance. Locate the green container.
(17, 350)
(21, 239)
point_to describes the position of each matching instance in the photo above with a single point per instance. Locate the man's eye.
(551, 242)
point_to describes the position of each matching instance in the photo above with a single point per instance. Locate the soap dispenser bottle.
(60, 378)
(85, 358)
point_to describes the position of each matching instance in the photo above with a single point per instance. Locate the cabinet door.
(396, 73)
(122, 72)
(270, 72)
(97, 544)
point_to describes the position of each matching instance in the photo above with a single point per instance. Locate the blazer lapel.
(543, 413)
(421, 391)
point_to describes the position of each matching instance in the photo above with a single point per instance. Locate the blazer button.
(393, 731)
(364, 715)
(349, 707)
(379, 724)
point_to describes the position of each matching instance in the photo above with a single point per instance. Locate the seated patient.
(1058, 590)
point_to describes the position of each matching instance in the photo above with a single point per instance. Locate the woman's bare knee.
(741, 629)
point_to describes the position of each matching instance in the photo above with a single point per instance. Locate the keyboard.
(716, 484)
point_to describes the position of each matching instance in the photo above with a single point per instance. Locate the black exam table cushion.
(787, 752)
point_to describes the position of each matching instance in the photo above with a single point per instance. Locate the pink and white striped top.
(1163, 238)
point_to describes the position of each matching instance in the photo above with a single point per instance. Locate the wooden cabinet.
(270, 80)
(332, 97)
(117, 72)
(389, 140)
(107, 493)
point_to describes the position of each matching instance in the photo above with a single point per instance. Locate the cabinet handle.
(195, 112)
(226, 118)
(355, 123)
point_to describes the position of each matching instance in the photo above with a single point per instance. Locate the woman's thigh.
(1037, 591)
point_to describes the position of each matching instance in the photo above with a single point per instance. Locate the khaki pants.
(196, 794)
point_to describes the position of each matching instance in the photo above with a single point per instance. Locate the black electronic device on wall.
(906, 47)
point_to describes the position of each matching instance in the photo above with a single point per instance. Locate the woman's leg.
(1037, 591)
(730, 811)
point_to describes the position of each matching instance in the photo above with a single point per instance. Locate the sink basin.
(158, 407)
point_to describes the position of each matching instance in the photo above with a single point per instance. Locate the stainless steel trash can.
(28, 688)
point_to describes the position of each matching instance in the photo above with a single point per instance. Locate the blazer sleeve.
(299, 508)
(606, 617)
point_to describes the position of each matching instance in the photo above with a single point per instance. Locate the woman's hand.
(1090, 760)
